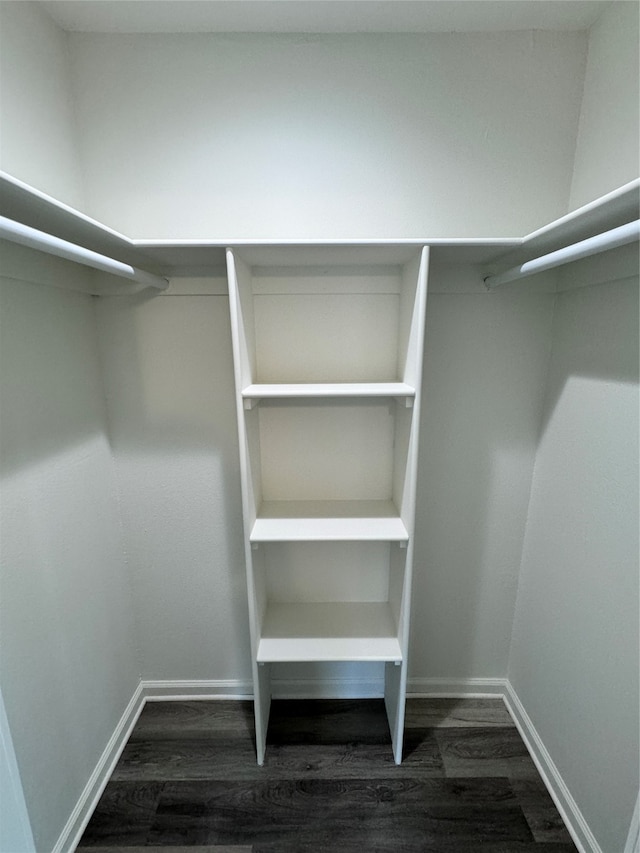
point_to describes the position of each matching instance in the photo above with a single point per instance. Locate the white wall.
(486, 357)
(169, 382)
(37, 122)
(285, 136)
(608, 145)
(67, 650)
(574, 659)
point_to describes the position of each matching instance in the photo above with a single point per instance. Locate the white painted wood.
(406, 450)
(329, 631)
(24, 235)
(329, 340)
(25, 203)
(333, 389)
(620, 236)
(455, 688)
(327, 450)
(632, 844)
(299, 521)
(251, 487)
(327, 337)
(327, 571)
(329, 278)
(395, 680)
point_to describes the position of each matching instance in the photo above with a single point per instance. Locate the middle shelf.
(300, 521)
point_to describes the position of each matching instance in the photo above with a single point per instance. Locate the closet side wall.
(608, 147)
(253, 136)
(67, 649)
(574, 659)
(37, 121)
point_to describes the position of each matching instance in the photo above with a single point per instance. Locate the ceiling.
(321, 16)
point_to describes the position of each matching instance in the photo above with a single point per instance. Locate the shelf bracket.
(249, 403)
(407, 402)
(403, 543)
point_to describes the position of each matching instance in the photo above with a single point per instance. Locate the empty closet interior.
(274, 421)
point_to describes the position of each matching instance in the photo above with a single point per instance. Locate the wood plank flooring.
(188, 778)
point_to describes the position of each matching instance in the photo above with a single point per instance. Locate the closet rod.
(591, 246)
(16, 232)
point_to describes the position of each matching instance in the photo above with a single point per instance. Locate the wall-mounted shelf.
(337, 520)
(328, 390)
(197, 257)
(328, 631)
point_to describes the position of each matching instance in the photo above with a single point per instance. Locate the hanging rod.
(16, 232)
(585, 248)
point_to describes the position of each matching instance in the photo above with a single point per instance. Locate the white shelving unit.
(328, 346)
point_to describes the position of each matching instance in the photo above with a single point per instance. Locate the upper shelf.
(605, 213)
(25, 204)
(22, 203)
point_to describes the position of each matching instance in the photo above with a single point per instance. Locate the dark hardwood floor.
(188, 777)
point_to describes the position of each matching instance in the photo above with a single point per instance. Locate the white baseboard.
(573, 818)
(157, 691)
(455, 688)
(79, 818)
(633, 838)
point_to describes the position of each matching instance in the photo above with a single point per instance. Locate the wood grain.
(188, 778)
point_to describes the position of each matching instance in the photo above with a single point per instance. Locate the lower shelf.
(296, 521)
(362, 631)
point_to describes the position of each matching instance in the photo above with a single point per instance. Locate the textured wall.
(486, 358)
(67, 649)
(285, 136)
(574, 659)
(169, 383)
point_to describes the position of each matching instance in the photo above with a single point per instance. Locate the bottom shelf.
(328, 631)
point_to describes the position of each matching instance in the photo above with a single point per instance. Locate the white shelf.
(314, 521)
(25, 204)
(333, 389)
(328, 338)
(362, 631)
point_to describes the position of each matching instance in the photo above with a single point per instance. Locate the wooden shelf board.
(308, 521)
(328, 389)
(25, 204)
(604, 213)
(360, 631)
